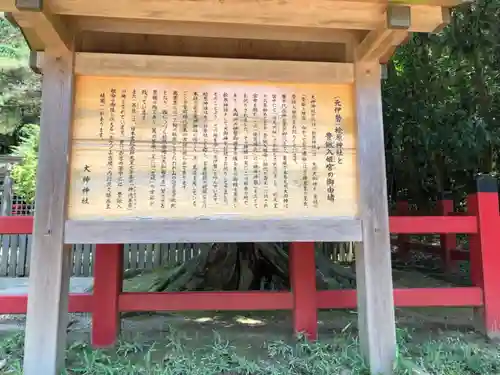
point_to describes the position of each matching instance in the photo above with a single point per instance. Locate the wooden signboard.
(191, 149)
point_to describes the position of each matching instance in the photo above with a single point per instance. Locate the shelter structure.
(214, 121)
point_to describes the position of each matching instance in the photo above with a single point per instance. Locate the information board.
(180, 149)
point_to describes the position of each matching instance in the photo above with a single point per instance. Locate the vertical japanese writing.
(275, 150)
(194, 190)
(305, 180)
(314, 177)
(225, 138)
(284, 134)
(85, 184)
(235, 149)
(121, 152)
(102, 109)
(184, 139)
(245, 149)
(132, 200)
(339, 131)
(109, 173)
(294, 128)
(163, 166)
(330, 167)
(215, 134)
(152, 171)
(173, 187)
(265, 152)
(204, 174)
(255, 134)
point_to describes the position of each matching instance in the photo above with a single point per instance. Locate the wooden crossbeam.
(380, 43)
(37, 20)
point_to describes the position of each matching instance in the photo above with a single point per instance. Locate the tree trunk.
(247, 266)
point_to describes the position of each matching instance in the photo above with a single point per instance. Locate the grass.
(451, 355)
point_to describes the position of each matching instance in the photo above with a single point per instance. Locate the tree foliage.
(24, 174)
(20, 89)
(441, 106)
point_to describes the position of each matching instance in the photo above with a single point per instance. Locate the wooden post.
(303, 283)
(51, 260)
(484, 254)
(448, 241)
(377, 332)
(7, 194)
(108, 281)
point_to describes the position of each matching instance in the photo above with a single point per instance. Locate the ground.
(431, 341)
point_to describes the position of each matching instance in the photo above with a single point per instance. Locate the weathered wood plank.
(23, 251)
(77, 260)
(373, 259)
(14, 253)
(149, 256)
(126, 256)
(86, 260)
(28, 253)
(47, 311)
(207, 230)
(134, 248)
(157, 255)
(141, 252)
(4, 260)
(108, 64)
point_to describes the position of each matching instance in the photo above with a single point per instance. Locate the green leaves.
(24, 174)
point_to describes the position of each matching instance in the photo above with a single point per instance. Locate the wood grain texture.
(360, 15)
(214, 30)
(144, 231)
(233, 149)
(109, 65)
(373, 259)
(205, 46)
(51, 261)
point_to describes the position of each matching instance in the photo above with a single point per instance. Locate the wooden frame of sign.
(212, 121)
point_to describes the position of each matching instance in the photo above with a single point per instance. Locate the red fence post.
(108, 279)
(303, 285)
(403, 209)
(484, 254)
(448, 241)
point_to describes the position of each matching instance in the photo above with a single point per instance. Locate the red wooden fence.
(482, 223)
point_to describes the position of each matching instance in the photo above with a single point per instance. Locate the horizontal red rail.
(412, 297)
(16, 224)
(17, 304)
(247, 301)
(432, 224)
(184, 301)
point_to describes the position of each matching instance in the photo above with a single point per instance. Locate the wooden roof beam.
(380, 44)
(50, 29)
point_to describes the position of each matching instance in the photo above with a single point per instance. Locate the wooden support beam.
(36, 61)
(381, 43)
(343, 14)
(106, 64)
(377, 331)
(51, 260)
(49, 28)
(215, 30)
